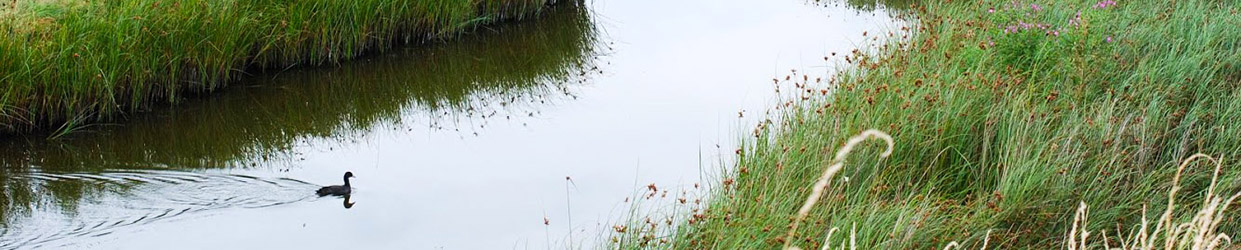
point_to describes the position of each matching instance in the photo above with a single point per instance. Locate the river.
(525, 135)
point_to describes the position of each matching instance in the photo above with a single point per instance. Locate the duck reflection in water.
(348, 204)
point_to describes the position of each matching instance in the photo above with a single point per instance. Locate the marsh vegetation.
(71, 63)
(1007, 118)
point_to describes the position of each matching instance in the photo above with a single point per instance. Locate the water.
(464, 144)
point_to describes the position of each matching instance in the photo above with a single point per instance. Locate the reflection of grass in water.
(1002, 126)
(542, 57)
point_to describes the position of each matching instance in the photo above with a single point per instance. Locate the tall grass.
(1008, 115)
(1198, 232)
(67, 62)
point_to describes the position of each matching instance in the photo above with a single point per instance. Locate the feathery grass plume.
(835, 166)
(957, 245)
(1199, 233)
(1078, 220)
(827, 241)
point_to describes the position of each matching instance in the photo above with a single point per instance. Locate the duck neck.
(346, 181)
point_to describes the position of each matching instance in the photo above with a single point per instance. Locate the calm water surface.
(464, 144)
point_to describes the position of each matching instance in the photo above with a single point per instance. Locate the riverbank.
(1006, 117)
(69, 63)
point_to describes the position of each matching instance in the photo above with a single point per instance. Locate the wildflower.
(1108, 39)
(1104, 4)
(990, 10)
(1055, 32)
(1035, 7)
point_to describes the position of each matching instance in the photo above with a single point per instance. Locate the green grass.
(998, 135)
(65, 63)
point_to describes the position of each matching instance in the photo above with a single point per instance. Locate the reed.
(1008, 115)
(834, 167)
(66, 63)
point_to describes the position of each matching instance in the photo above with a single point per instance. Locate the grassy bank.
(1006, 117)
(65, 63)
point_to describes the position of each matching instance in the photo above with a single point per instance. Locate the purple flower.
(1055, 32)
(991, 10)
(1010, 29)
(1108, 39)
(1035, 7)
(1104, 4)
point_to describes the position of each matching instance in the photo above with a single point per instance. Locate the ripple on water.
(124, 198)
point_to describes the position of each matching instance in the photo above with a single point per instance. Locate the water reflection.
(125, 198)
(348, 204)
(158, 164)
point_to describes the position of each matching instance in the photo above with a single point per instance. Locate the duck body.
(337, 189)
(334, 190)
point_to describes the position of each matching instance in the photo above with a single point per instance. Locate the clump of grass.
(78, 61)
(1010, 115)
(1198, 232)
(837, 163)
(654, 214)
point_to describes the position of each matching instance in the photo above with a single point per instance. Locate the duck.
(338, 190)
